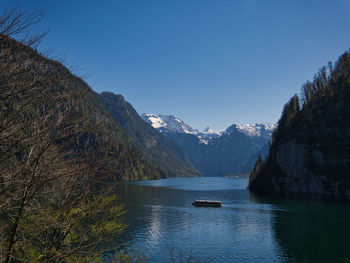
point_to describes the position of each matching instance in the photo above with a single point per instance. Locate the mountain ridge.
(216, 153)
(104, 137)
(175, 124)
(160, 149)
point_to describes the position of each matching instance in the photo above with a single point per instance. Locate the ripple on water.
(245, 229)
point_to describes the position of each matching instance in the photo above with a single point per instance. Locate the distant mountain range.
(234, 150)
(127, 148)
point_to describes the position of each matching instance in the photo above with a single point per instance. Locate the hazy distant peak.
(208, 130)
(254, 130)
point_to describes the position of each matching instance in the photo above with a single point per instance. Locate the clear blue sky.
(209, 62)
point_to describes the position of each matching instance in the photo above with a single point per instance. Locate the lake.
(247, 228)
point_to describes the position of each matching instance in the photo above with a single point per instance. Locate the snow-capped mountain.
(253, 130)
(209, 131)
(174, 124)
(168, 122)
(216, 153)
(161, 150)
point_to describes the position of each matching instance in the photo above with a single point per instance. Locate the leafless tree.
(51, 206)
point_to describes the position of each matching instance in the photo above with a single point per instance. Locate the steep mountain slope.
(216, 153)
(310, 152)
(168, 122)
(51, 91)
(248, 165)
(159, 148)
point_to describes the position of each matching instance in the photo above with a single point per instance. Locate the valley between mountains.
(228, 152)
(87, 178)
(184, 151)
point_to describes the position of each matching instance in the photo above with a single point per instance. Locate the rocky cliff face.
(293, 170)
(310, 151)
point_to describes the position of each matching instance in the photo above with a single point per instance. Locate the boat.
(210, 203)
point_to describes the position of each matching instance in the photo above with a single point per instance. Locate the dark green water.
(246, 229)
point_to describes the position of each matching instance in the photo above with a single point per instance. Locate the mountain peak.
(174, 124)
(207, 130)
(253, 130)
(117, 97)
(168, 122)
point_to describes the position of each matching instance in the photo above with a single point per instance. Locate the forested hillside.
(49, 94)
(59, 152)
(310, 151)
(161, 150)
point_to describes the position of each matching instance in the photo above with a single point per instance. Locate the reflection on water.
(246, 229)
(313, 232)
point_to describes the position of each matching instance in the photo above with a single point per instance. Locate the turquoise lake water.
(247, 228)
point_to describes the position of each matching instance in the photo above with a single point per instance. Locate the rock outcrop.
(310, 151)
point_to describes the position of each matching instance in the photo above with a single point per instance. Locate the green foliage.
(321, 124)
(59, 151)
(174, 256)
(135, 257)
(73, 235)
(324, 106)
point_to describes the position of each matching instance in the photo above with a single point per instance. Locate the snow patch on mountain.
(156, 121)
(253, 130)
(166, 123)
(210, 131)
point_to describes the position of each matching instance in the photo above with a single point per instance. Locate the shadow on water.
(248, 228)
(310, 228)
